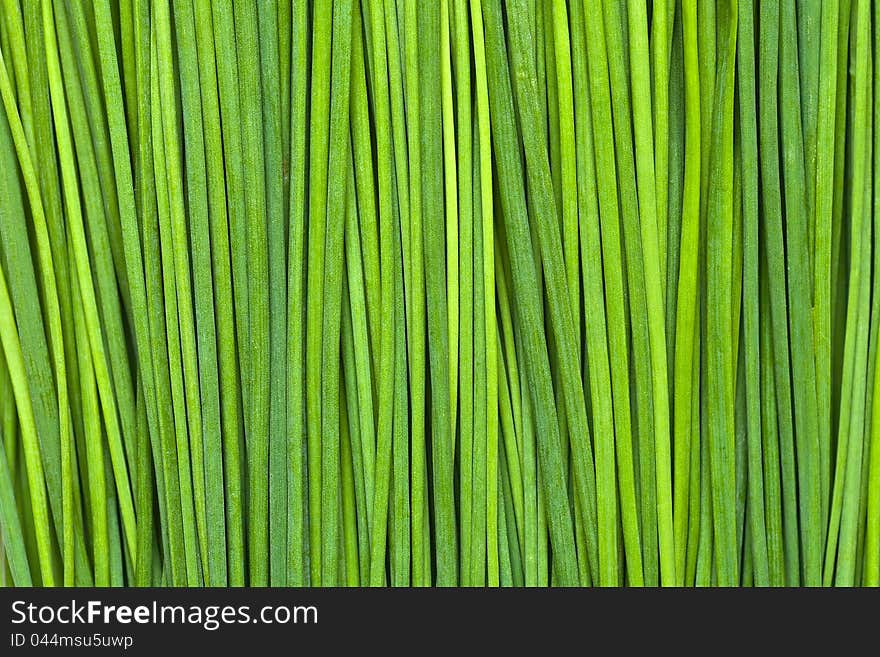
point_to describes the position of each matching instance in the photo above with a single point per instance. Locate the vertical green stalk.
(15, 562)
(227, 473)
(127, 16)
(568, 172)
(615, 18)
(426, 41)
(651, 253)
(803, 362)
(119, 136)
(366, 190)
(486, 441)
(751, 290)
(285, 23)
(358, 379)
(450, 176)
(387, 218)
(179, 442)
(719, 312)
(101, 212)
(191, 431)
(809, 30)
(53, 314)
(871, 573)
(297, 487)
(349, 522)
(871, 470)
(230, 116)
(523, 269)
(461, 65)
(846, 434)
(567, 343)
(43, 151)
(612, 261)
(363, 383)
(824, 202)
(771, 205)
(676, 178)
(485, 378)
(84, 276)
(16, 251)
(688, 290)
(317, 211)
(770, 447)
(16, 51)
(164, 449)
(361, 539)
(206, 462)
(94, 452)
(35, 474)
(401, 553)
(861, 520)
(276, 236)
(851, 470)
(842, 116)
(258, 378)
(662, 19)
(144, 498)
(416, 296)
(145, 200)
(599, 207)
(338, 163)
(77, 21)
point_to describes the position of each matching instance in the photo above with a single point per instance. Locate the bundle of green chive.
(440, 292)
